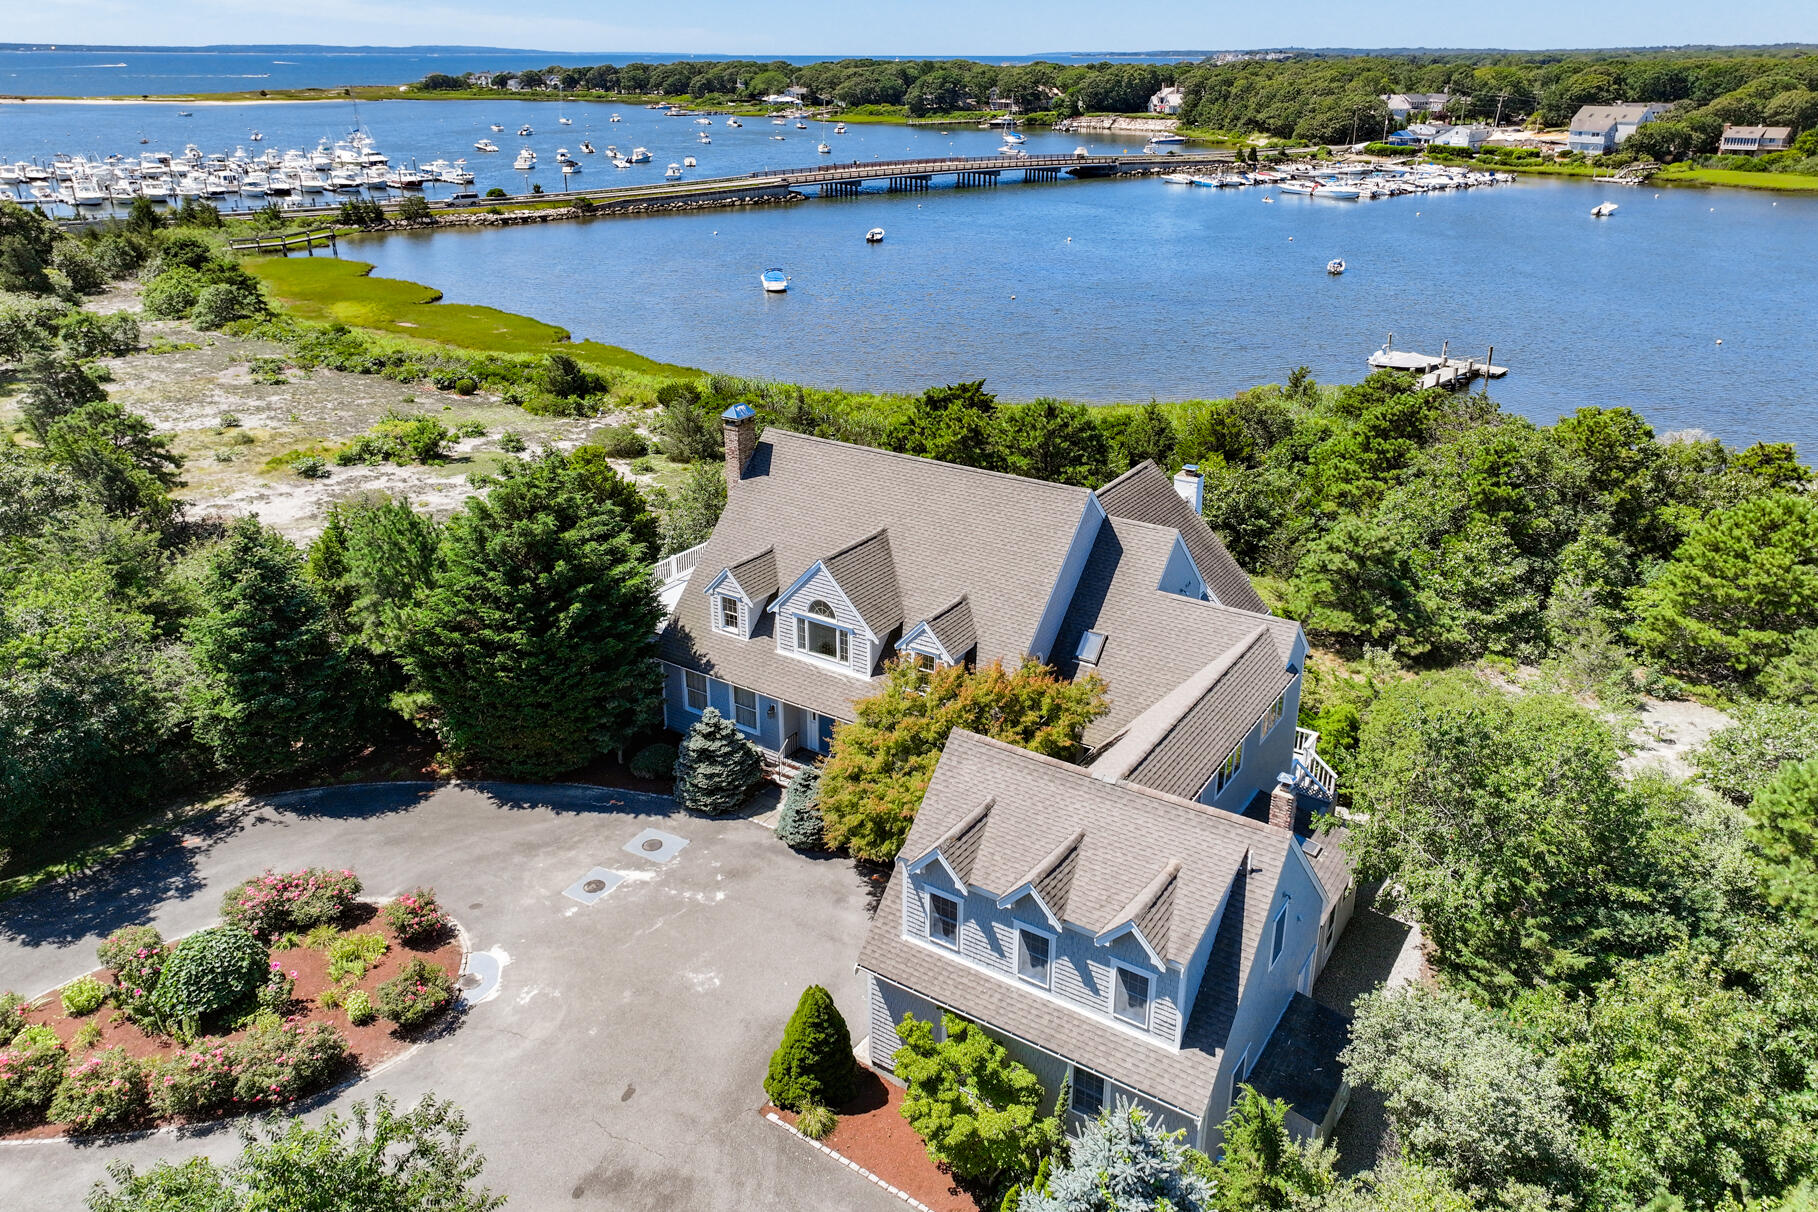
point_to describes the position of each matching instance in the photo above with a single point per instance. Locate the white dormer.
(944, 637)
(838, 613)
(738, 593)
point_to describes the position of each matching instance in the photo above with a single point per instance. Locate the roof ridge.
(858, 543)
(1060, 489)
(1133, 470)
(1187, 693)
(1142, 900)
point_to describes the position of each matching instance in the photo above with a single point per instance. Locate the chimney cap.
(739, 412)
(1187, 469)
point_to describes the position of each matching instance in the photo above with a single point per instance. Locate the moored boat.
(875, 236)
(775, 281)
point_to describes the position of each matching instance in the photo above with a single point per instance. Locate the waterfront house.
(1167, 101)
(1471, 137)
(1597, 129)
(1120, 941)
(832, 559)
(480, 79)
(1755, 140)
(1403, 106)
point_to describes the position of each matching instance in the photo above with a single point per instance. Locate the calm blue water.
(127, 71)
(1122, 290)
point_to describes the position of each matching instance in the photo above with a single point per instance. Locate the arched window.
(818, 634)
(818, 607)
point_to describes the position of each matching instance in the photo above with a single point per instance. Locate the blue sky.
(911, 27)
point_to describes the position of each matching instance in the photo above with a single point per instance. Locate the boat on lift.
(775, 281)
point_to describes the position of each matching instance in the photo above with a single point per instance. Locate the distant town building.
(781, 99)
(1167, 101)
(552, 80)
(1753, 140)
(1597, 129)
(1471, 137)
(481, 79)
(1403, 106)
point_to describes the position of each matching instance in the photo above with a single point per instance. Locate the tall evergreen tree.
(1262, 1167)
(814, 1063)
(274, 689)
(533, 645)
(717, 768)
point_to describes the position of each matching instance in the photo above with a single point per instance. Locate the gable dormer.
(841, 610)
(944, 637)
(739, 592)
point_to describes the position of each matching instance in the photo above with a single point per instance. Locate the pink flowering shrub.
(30, 1071)
(12, 1016)
(136, 957)
(279, 988)
(415, 917)
(194, 1082)
(278, 1063)
(277, 901)
(418, 993)
(105, 1091)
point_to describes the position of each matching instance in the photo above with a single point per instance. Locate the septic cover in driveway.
(655, 845)
(592, 886)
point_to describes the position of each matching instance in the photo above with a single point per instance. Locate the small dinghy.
(875, 236)
(1603, 210)
(1335, 267)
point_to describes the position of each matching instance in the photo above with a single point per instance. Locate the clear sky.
(909, 27)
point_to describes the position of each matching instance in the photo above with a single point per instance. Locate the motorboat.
(87, 193)
(1603, 210)
(825, 149)
(256, 137)
(840, 129)
(1081, 152)
(1335, 266)
(673, 172)
(562, 155)
(639, 156)
(486, 145)
(801, 125)
(615, 118)
(706, 138)
(497, 127)
(1343, 193)
(1297, 187)
(777, 138)
(526, 160)
(875, 236)
(586, 147)
(254, 185)
(703, 121)
(1178, 179)
(524, 132)
(779, 120)
(570, 169)
(734, 122)
(564, 121)
(1206, 182)
(1166, 140)
(775, 281)
(687, 161)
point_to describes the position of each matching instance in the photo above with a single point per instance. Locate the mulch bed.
(873, 1133)
(375, 1042)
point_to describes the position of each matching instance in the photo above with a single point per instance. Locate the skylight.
(1091, 647)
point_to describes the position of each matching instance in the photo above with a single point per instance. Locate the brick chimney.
(1283, 804)
(740, 423)
(1191, 486)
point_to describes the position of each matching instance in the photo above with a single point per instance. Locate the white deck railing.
(678, 565)
(1309, 767)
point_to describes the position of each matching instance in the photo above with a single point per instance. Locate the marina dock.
(1436, 370)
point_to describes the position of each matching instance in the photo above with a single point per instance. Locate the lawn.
(331, 290)
(1790, 182)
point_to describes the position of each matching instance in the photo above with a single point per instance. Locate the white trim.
(726, 576)
(718, 614)
(959, 918)
(942, 655)
(935, 855)
(1219, 789)
(757, 712)
(1116, 932)
(1010, 898)
(1148, 999)
(1281, 701)
(802, 619)
(706, 691)
(1278, 928)
(821, 566)
(1019, 928)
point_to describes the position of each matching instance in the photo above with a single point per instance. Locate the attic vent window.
(1091, 647)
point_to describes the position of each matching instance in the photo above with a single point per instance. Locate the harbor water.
(1691, 306)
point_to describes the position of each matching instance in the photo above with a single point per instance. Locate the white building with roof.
(1597, 129)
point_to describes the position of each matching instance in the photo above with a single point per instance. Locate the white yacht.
(639, 156)
(526, 161)
(673, 172)
(486, 145)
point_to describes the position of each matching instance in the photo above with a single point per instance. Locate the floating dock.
(1436, 370)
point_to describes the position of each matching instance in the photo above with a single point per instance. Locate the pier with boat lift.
(1437, 370)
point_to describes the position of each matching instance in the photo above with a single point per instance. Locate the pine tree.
(272, 688)
(814, 1063)
(799, 824)
(533, 645)
(1122, 1163)
(717, 768)
(1263, 1167)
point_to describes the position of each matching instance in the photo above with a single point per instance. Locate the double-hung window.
(1088, 1092)
(818, 634)
(1227, 769)
(744, 708)
(1275, 713)
(1032, 955)
(729, 613)
(943, 920)
(694, 690)
(1130, 996)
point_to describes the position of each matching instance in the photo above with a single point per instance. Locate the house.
(1119, 940)
(1754, 140)
(1597, 129)
(1471, 137)
(480, 79)
(781, 99)
(831, 559)
(1403, 106)
(1167, 101)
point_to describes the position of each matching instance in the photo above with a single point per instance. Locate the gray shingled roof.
(1300, 1065)
(756, 576)
(952, 626)
(1153, 639)
(998, 540)
(1175, 745)
(1146, 494)
(866, 572)
(1038, 804)
(1602, 117)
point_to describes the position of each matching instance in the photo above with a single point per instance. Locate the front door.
(823, 732)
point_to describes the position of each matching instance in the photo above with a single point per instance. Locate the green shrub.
(283, 1061)
(654, 762)
(278, 989)
(717, 768)
(512, 442)
(12, 1016)
(359, 1008)
(350, 955)
(31, 1069)
(105, 1091)
(83, 996)
(221, 304)
(320, 937)
(310, 467)
(418, 993)
(78, 265)
(88, 1035)
(814, 1063)
(193, 1082)
(816, 1121)
(275, 901)
(799, 824)
(172, 294)
(466, 385)
(336, 995)
(136, 956)
(269, 371)
(622, 442)
(415, 916)
(211, 973)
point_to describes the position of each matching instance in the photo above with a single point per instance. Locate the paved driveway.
(622, 1061)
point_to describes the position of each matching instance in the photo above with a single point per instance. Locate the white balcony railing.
(1311, 772)
(679, 565)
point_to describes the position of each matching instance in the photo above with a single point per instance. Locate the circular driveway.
(620, 1064)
